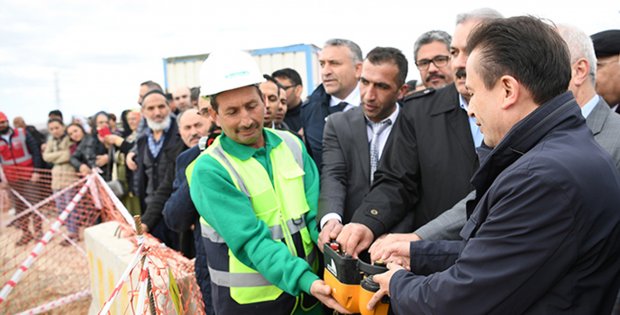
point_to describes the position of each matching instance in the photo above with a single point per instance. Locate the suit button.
(374, 211)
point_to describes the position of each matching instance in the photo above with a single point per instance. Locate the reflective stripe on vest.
(227, 279)
(277, 233)
(282, 208)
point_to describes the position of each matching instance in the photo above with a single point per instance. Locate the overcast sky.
(93, 54)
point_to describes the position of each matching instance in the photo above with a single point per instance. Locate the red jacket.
(16, 159)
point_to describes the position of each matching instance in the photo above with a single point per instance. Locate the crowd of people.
(493, 186)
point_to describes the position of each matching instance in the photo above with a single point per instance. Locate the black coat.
(163, 176)
(86, 153)
(542, 235)
(426, 164)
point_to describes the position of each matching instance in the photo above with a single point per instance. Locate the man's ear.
(402, 91)
(581, 71)
(298, 90)
(358, 70)
(214, 116)
(511, 91)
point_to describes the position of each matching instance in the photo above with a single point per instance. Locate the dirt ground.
(59, 271)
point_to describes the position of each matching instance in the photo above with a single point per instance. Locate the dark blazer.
(426, 166)
(605, 126)
(345, 177)
(542, 235)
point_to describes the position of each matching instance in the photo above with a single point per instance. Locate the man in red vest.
(20, 155)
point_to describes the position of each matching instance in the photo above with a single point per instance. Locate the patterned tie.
(377, 130)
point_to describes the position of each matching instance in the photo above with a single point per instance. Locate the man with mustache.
(256, 190)
(541, 235)
(429, 158)
(161, 138)
(431, 53)
(354, 140)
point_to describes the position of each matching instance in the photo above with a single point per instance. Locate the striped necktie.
(377, 130)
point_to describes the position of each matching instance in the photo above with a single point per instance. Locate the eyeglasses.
(439, 61)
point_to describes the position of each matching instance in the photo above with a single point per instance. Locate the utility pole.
(57, 89)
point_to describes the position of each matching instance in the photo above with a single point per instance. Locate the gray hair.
(579, 46)
(429, 37)
(356, 52)
(482, 14)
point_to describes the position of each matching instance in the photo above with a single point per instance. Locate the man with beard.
(20, 155)
(431, 53)
(182, 98)
(541, 235)
(161, 138)
(353, 141)
(429, 158)
(256, 190)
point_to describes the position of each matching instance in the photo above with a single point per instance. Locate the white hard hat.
(227, 70)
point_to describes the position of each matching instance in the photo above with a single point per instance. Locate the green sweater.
(230, 213)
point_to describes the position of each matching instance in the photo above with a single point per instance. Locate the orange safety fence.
(43, 262)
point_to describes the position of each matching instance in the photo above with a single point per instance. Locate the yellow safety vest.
(282, 206)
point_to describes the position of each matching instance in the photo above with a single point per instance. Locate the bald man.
(182, 98)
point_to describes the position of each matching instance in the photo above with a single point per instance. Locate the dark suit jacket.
(605, 126)
(426, 165)
(345, 177)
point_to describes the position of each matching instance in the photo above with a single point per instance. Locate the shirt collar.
(392, 116)
(589, 106)
(244, 152)
(353, 98)
(462, 102)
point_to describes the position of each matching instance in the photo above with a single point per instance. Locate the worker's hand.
(383, 279)
(377, 248)
(330, 231)
(130, 163)
(397, 252)
(322, 292)
(35, 177)
(354, 238)
(4, 185)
